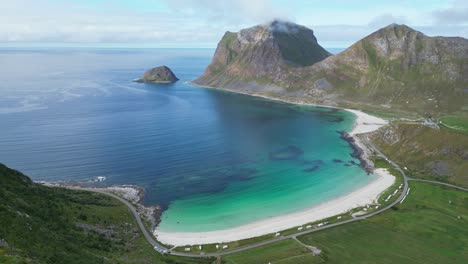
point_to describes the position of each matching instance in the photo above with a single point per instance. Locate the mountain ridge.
(395, 67)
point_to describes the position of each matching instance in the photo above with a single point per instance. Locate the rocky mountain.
(261, 54)
(395, 68)
(161, 74)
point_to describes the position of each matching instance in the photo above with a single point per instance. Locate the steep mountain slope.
(261, 54)
(395, 68)
(39, 224)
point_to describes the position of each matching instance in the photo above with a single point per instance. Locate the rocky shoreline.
(360, 151)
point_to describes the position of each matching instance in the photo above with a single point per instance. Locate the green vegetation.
(40, 224)
(456, 123)
(228, 41)
(371, 54)
(435, 154)
(286, 251)
(54, 225)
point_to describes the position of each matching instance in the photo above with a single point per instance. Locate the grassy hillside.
(427, 153)
(39, 224)
(430, 226)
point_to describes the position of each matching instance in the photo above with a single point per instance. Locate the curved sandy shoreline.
(359, 197)
(368, 194)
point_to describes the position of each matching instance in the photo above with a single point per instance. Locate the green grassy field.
(287, 251)
(430, 226)
(456, 123)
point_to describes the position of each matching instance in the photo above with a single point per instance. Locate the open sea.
(212, 159)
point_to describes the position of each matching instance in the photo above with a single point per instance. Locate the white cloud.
(230, 12)
(386, 19)
(43, 21)
(195, 23)
(457, 14)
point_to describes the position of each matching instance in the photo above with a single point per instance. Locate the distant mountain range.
(395, 68)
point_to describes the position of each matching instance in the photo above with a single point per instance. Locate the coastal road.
(160, 247)
(440, 183)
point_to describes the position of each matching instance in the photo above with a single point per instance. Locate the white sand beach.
(365, 123)
(359, 197)
(366, 195)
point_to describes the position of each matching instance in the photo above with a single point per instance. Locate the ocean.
(212, 159)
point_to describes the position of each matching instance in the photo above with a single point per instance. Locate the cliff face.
(261, 54)
(395, 68)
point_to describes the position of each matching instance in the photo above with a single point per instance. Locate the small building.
(300, 228)
(277, 234)
(200, 247)
(225, 246)
(186, 249)
(308, 226)
(217, 246)
(339, 217)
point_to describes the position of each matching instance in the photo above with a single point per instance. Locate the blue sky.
(201, 23)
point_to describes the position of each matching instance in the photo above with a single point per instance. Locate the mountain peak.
(262, 51)
(398, 29)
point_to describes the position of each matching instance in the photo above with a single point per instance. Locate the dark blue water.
(73, 115)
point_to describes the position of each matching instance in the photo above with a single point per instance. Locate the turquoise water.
(211, 159)
(310, 165)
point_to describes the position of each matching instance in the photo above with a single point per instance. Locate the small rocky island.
(161, 74)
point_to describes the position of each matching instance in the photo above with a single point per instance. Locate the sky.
(201, 23)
